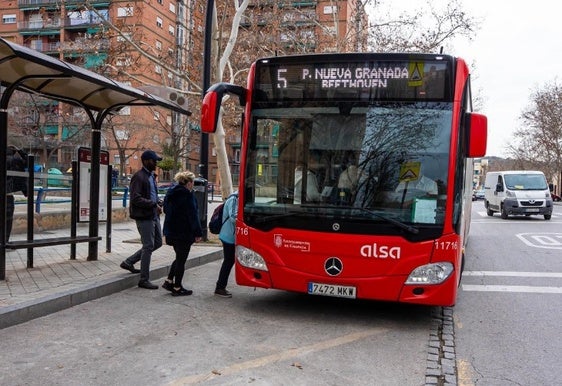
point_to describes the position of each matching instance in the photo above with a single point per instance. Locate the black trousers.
(227, 264)
(10, 208)
(177, 269)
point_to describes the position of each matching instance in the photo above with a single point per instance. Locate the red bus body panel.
(377, 266)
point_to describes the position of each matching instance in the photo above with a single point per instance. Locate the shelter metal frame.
(27, 70)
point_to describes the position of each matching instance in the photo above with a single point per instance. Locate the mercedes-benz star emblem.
(333, 266)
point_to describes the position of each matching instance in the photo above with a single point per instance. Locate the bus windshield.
(381, 164)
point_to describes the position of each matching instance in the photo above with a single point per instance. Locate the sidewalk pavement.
(55, 282)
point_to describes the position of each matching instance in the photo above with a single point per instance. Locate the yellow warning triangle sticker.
(410, 171)
(415, 69)
(408, 175)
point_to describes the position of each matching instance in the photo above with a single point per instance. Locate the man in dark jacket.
(16, 160)
(145, 208)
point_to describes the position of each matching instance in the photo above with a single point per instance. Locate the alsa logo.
(380, 252)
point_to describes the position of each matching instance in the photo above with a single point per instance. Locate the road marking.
(512, 288)
(556, 275)
(465, 373)
(547, 240)
(283, 355)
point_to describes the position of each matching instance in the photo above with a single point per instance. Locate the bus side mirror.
(477, 135)
(210, 108)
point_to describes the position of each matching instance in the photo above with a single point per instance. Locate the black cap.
(149, 154)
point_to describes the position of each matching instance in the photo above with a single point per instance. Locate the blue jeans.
(151, 238)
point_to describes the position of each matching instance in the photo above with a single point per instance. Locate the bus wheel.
(504, 213)
(547, 216)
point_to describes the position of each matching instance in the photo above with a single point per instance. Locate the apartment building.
(97, 35)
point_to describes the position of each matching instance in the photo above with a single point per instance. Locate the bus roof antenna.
(441, 51)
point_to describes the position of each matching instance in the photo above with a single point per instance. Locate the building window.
(124, 11)
(123, 62)
(158, 45)
(121, 135)
(172, 8)
(158, 69)
(172, 30)
(124, 37)
(9, 19)
(159, 22)
(160, 2)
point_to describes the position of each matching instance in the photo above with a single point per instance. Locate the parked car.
(478, 195)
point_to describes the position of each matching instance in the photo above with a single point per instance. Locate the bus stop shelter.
(30, 71)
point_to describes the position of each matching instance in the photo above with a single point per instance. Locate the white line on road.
(513, 274)
(512, 288)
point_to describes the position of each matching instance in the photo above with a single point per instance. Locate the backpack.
(215, 224)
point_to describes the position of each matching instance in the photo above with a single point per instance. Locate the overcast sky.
(517, 49)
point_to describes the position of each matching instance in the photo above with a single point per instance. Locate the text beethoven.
(358, 78)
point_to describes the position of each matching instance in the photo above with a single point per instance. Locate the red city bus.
(355, 174)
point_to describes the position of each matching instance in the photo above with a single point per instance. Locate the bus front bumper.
(387, 288)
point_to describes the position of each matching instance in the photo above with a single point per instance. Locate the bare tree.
(277, 28)
(425, 28)
(539, 142)
(32, 119)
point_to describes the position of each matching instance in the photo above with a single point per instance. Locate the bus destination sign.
(384, 80)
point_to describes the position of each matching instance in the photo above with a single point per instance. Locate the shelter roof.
(38, 73)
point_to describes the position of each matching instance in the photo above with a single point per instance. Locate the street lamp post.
(204, 154)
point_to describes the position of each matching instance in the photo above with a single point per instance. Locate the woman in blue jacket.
(227, 238)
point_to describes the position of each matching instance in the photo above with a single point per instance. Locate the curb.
(48, 304)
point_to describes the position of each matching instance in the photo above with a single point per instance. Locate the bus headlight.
(250, 259)
(435, 273)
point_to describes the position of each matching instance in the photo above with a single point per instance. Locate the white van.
(517, 192)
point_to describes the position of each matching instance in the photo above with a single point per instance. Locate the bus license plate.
(339, 291)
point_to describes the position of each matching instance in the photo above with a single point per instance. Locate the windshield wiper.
(267, 218)
(399, 224)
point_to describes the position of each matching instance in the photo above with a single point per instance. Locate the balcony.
(83, 20)
(85, 45)
(40, 27)
(25, 5)
(46, 48)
